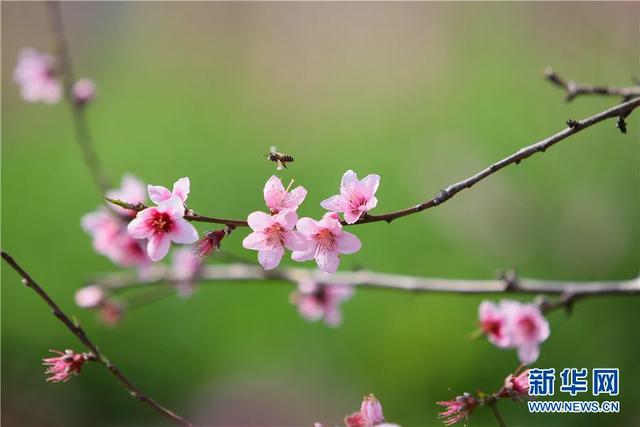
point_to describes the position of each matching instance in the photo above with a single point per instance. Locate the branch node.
(621, 125)
(573, 124)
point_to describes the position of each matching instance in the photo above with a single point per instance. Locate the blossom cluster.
(320, 240)
(512, 324)
(39, 80)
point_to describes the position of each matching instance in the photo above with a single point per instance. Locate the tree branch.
(573, 89)
(575, 126)
(65, 68)
(82, 336)
(569, 292)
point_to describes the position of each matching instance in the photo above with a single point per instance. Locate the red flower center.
(161, 222)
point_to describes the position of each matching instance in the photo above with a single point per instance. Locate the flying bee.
(279, 158)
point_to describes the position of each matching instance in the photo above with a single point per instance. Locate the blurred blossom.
(111, 313)
(90, 296)
(356, 196)
(326, 241)
(317, 301)
(185, 269)
(369, 415)
(159, 194)
(271, 235)
(83, 91)
(162, 225)
(35, 73)
(63, 366)
(279, 199)
(131, 191)
(458, 408)
(511, 324)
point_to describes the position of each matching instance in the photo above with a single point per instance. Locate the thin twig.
(569, 292)
(82, 336)
(494, 408)
(576, 126)
(573, 89)
(65, 69)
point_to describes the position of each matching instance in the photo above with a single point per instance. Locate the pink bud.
(516, 385)
(209, 243)
(370, 414)
(89, 296)
(83, 91)
(111, 313)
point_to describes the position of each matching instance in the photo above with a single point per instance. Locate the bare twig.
(65, 69)
(569, 292)
(575, 126)
(573, 89)
(82, 336)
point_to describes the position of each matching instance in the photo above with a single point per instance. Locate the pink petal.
(254, 241)
(181, 188)
(306, 255)
(352, 216)
(294, 198)
(184, 232)
(287, 219)
(528, 353)
(307, 226)
(333, 316)
(349, 180)
(259, 220)
(371, 203)
(269, 259)
(158, 193)
(328, 261)
(174, 207)
(295, 241)
(273, 192)
(139, 228)
(371, 183)
(158, 246)
(335, 203)
(309, 308)
(348, 243)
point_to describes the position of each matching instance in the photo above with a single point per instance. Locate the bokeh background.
(423, 94)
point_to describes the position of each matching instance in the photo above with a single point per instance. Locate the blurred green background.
(423, 94)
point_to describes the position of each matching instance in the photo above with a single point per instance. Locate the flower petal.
(184, 232)
(294, 198)
(139, 228)
(307, 226)
(174, 207)
(328, 261)
(254, 241)
(295, 241)
(528, 353)
(158, 246)
(287, 219)
(352, 216)
(181, 188)
(259, 220)
(349, 180)
(273, 192)
(158, 193)
(370, 184)
(335, 203)
(305, 255)
(269, 259)
(348, 243)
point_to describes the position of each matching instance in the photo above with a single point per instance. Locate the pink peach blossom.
(492, 322)
(356, 197)
(159, 194)
(161, 225)
(63, 366)
(279, 199)
(458, 408)
(511, 324)
(528, 328)
(35, 73)
(90, 296)
(185, 270)
(83, 91)
(316, 301)
(326, 241)
(271, 235)
(131, 191)
(369, 415)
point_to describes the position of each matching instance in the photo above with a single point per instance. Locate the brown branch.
(573, 89)
(82, 336)
(78, 113)
(569, 292)
(621, 110)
